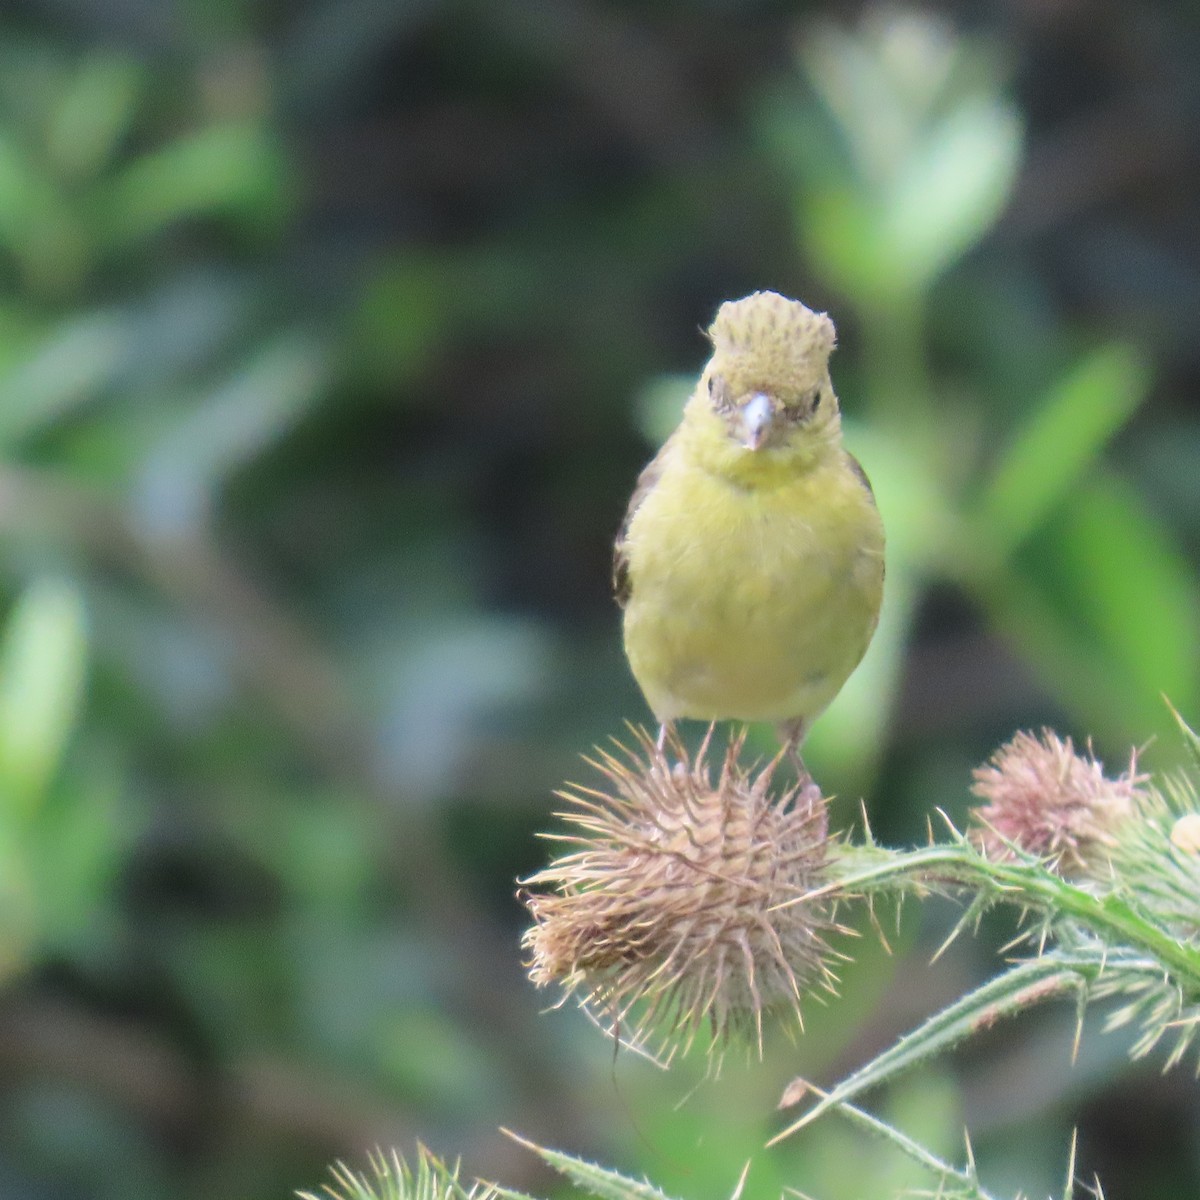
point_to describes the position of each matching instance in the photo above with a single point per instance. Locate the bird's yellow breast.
(751, 602)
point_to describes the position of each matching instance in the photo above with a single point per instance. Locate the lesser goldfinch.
(750, 563)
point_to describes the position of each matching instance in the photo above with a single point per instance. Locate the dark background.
(332, 338)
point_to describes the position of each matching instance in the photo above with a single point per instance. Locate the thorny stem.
(1033, 886)
(914, 1150)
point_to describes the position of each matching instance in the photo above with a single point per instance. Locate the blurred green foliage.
(326, 333)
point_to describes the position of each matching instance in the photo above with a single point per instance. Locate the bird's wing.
(857, 468)
(650, 475)
(861, 475)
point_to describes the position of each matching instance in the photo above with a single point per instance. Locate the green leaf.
(42, 662)
(234, 169)
(1051, 643)
(38, 226)
(950, 191)
(75, 857)
(69, 369)
(1108, 615)
(24, 192)
(93, 114)
(18, 902)
(1062, 438)
(840, 233)
(881, 83)
(659, 406)
(1133, 585)
(261, 400)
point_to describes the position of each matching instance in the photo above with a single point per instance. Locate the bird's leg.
(791, 734)
(666, 731)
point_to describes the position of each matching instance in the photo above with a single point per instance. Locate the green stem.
(1033, 886)
(915, 1151)
(894, 358)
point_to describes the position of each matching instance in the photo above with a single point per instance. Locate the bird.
(750, 564)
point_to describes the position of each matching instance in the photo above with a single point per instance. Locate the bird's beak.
(756, 419)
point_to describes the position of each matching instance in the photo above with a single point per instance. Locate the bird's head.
(766, 390)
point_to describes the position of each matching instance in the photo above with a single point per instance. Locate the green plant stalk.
(1032, 886)
(964, 1179)
(1019, 988)
(894, 359)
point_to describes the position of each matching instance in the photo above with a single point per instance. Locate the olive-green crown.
(767, 341)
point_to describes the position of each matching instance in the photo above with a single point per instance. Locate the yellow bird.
(750, 562)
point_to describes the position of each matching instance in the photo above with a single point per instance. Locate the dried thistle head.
(685, 901)
(1044, 797)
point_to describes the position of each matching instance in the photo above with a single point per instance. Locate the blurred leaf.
(37, 226)
(401, 322)
(18, 910)
(1062, 437)
(849, 738)
(929, 153)
(193, 320)
(180, 666)
(1067, 666)
(949, 193)
(23, 191)
(1109, 615)
(441, 679)
(841, 234)
(1130, 581)
(42, 662)
(226, 430)
(659, 405)
(68, 368)
(87, 1146)
(75, 857)
(236, 170)
(93, 114)
(425, 1053)
(880, 82)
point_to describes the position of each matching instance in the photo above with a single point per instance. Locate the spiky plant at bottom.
(393, 1178)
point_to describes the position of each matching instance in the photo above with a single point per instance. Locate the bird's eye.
(718, 393)
(805, 407)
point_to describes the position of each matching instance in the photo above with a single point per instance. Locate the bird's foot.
(808, 794)
(666, 734)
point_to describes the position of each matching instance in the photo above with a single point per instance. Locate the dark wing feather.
(857, 468)
(650, 475)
